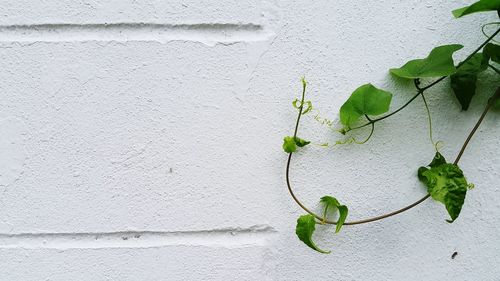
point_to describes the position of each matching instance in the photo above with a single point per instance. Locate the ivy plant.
(443, 181)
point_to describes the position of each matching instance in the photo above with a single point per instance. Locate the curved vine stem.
(469, 137)
(371, 132)
(491, 102)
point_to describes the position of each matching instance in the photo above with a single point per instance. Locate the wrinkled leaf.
(492, 51)
(445, 183)
(290, 144)
(366, 99)
(306, 225)
(331, 203)
(480, 6)
(463, 82)
(438, 160)
(438, 63)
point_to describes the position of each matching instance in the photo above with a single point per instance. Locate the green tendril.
(429, 118)
(484, 32)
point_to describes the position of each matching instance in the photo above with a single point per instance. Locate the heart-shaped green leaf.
(306, 225)
(445, 183)
(463, 82)
(366, 99)
(331, 203)
(480, 6)
(438, 63)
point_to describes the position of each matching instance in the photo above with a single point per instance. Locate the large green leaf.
(306, 225)
(366, 99)
(463, 82)
(290, 144)
(445, 183)
(438, 63)
(330, 203)
(492, 51)
(480, 6)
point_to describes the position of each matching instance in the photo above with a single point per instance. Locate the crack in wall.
(258, 235)
(206, 33)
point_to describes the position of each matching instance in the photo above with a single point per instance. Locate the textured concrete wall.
(141, 140)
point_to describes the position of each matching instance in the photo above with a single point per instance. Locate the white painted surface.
(141, 140)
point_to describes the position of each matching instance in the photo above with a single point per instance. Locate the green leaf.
(329, 201)
(342, 216)
(438, 160)
(290, 144)
(306, 225)
(366, 99)
(438, 63)
(332, 204)
(463, 82)
(480, 6)
(492, 51)
(445, 183)
(300, 142)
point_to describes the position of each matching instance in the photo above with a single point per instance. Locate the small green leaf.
(463, 82)
(329, 201)
(300, 142)
(492, 51)
(445, 183)
(290, 144)
(480, 6)
(438, 63)
(332, 203)
(366, 99)
(306, 225)
(342, 216)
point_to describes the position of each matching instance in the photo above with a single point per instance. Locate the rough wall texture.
(141, 140)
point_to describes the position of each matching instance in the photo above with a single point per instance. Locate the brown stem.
(491, 102)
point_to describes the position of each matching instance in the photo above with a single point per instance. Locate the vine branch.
(491, 102)
(421, 90)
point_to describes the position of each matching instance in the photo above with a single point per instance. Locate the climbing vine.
(444, 181)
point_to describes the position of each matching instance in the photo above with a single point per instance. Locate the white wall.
(150, 149)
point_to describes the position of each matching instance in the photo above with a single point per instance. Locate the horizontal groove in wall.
(228, 238)
(209, 34)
